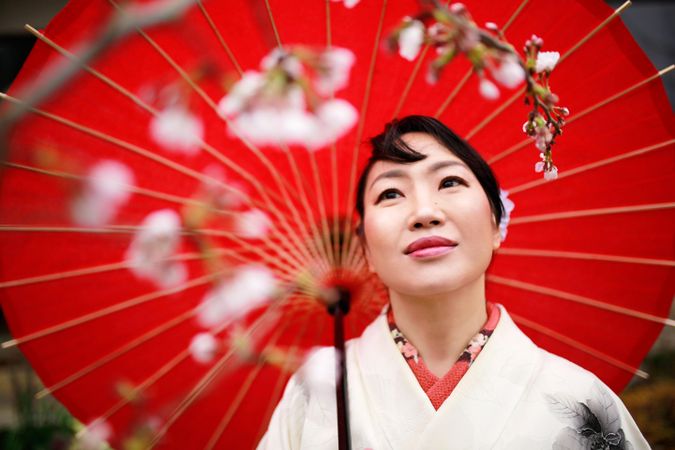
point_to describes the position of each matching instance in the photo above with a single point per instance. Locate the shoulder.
(571, 406)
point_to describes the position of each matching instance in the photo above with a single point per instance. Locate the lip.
(430, 246)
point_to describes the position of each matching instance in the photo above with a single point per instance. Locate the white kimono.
(515, 396)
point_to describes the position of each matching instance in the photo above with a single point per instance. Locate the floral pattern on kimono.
(438, 389)
(595, 424)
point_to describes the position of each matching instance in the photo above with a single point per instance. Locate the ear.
(496, 235)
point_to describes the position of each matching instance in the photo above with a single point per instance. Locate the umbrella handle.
(339, 310)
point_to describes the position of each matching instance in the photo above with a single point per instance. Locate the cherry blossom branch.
(56, 75)
(451, 30)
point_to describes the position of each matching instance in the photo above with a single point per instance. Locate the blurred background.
(26, 423)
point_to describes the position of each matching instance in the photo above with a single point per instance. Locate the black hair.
(389, 146)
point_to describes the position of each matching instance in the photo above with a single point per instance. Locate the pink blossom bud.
(551, 174)
(539, 166)
(491, 26)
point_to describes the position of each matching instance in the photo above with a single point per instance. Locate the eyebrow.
(398, 173)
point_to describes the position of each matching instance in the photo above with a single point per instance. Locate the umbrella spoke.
(135, 342)
(90, 270)
(290, 270)
(593, 165)
(195, 393)
(246, 385)
(215, 30)
(578, 345)
(314, 235)
(348, 233)
(441, 109)
(208, 148)
(182, 356)
(325, 233)
(586, 111)
(282, 379)
(591, 212)
(255, 150)
(569, 52)
(563, 295)
(123, 305)
(586, 256)
(411, 80)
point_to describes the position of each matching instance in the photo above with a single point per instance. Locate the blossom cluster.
(450, 30)
(290, 100)
(546, 119)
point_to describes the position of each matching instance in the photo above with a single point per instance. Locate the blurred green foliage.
(652, 402)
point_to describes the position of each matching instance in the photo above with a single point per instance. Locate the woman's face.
(428, 225)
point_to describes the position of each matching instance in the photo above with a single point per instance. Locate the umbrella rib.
(591, 212)
(312, 245)
(411, 80)
(273, 23)
(169, 366)
(90, 270)
(192, 396)
(586, 256)
(593, 165)
(348, 232)
(261, 157)
(325, 233)
(294, 263)
(215, 30)
(281, 381)
(563, 295)
(244, 388)
(441, 109)
(126, 304)
(135, 342)
(129, 229)
(585, 112)
(579, 346)
(208, 148)
(334, 250)
(569, 52)
(289, 270)
(118, 306)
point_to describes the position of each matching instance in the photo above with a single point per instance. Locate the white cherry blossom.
(153, 245)
(509, 73)
(336, 64)
(349, 3)
(249, 288)
(319, 369)
(488, 89)
(546, 61)
(105, 189)
(177, 130)
(203, 347)
(551, 174)
(241, 93)
(253, 224)
(410, 39)
(95, 435)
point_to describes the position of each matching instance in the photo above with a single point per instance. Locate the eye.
(388, 194)
(449, 182)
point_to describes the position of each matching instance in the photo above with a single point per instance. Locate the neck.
(440, 327)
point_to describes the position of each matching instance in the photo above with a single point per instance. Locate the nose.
(425, 214)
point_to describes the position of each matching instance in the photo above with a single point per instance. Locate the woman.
(442, 368)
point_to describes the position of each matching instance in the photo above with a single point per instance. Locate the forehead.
(422, 143)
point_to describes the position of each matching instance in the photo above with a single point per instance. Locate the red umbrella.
(586, 255)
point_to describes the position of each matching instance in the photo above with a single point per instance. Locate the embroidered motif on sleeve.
(595, 424)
